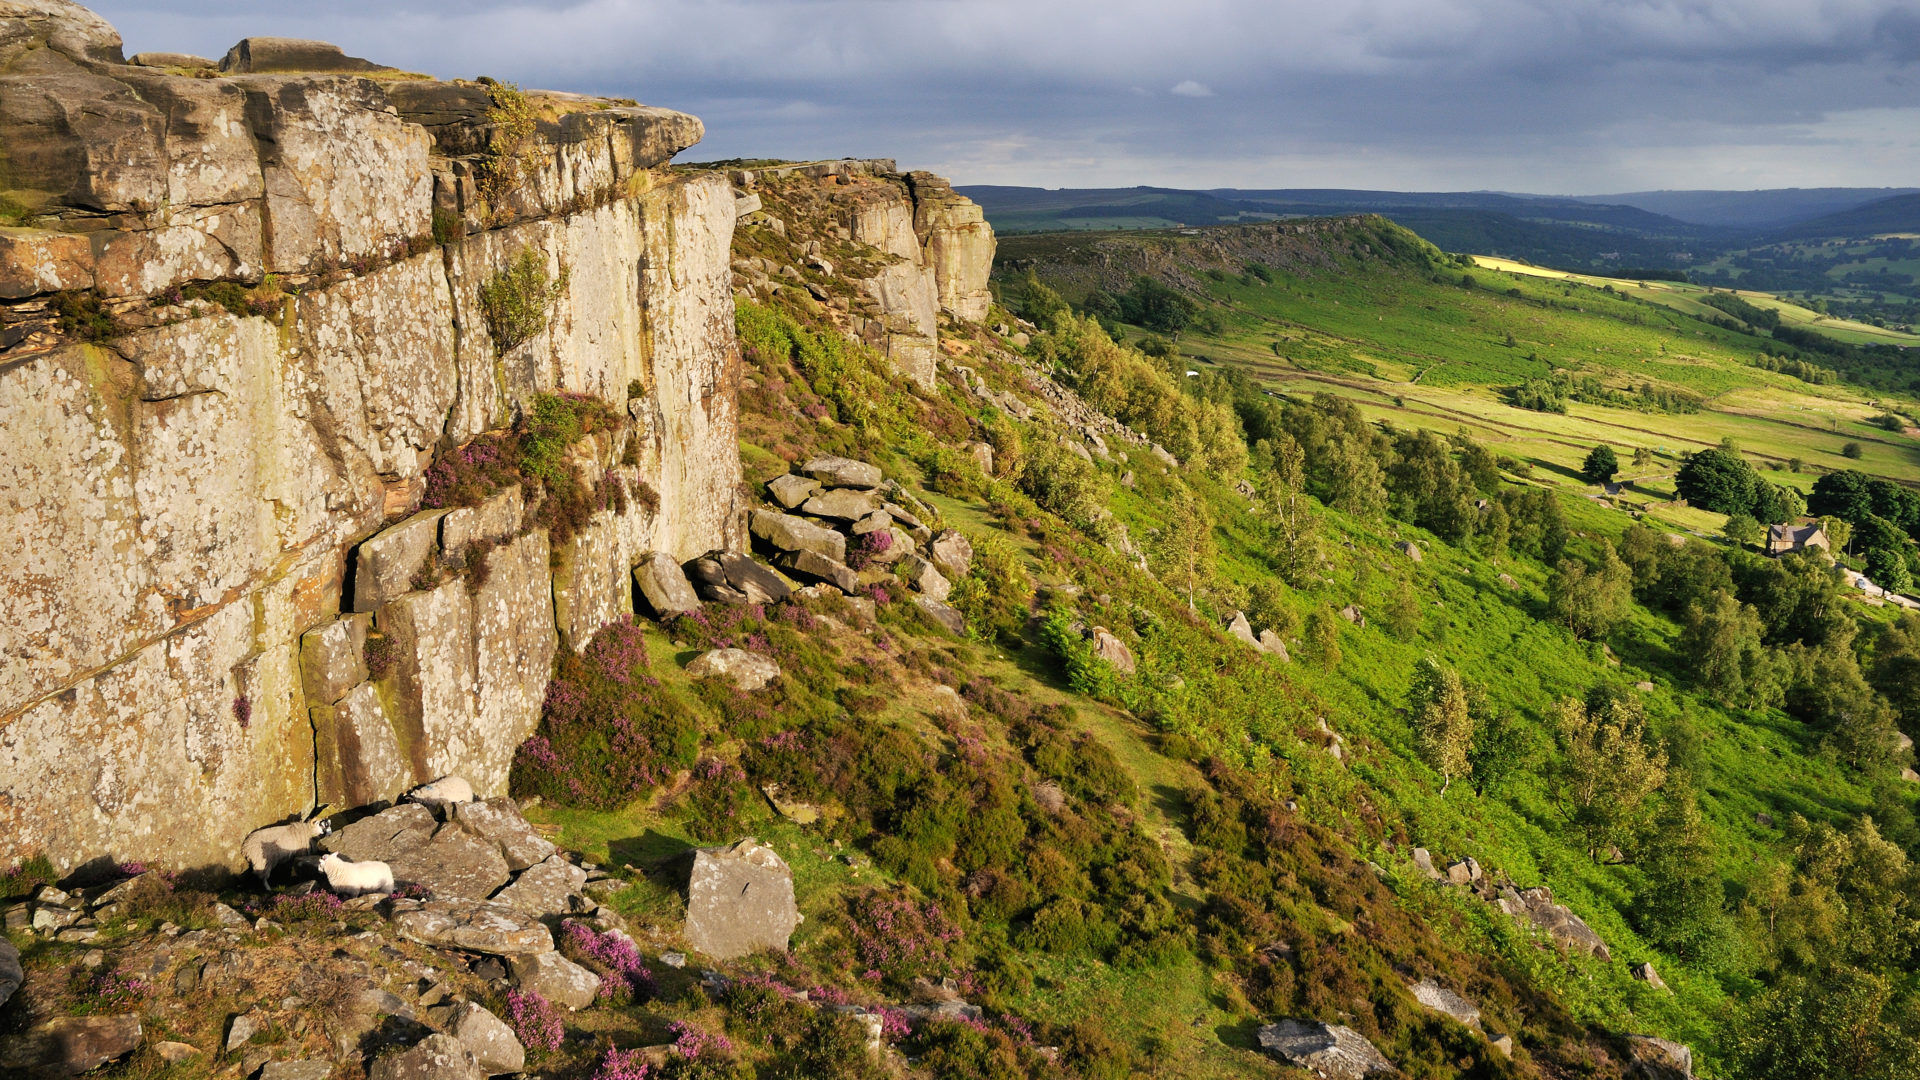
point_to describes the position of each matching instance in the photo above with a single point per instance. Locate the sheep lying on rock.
(269, 847)
(440, 793)
(356, 878)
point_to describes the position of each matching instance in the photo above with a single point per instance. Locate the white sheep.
(356, 878)
(440, 793)
(267, 848)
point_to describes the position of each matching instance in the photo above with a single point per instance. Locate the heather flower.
(533, 1020)
(692, 1043)
(621, 1065)
(625, 970)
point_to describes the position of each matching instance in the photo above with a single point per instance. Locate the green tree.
(1321, 640)
(1682, 909)
(1717, 480)
(1852, 451)
(1184, 550)
(1608, 769)
(1743, 530)
(1642, 457)
(1600, 466)
(1442, 719)
(1591, 601)
(1843, 1024)
(1503, 744)
(1722, 642)
(1887, 566)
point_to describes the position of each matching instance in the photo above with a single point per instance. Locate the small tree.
(1442, 719)
(1609, 771)
(1743, 530)
(1887, 566)
(1185, 548)
(1600, 466)
(1322, 638)
(1591, 601)
(1642, 457)
(1852, 451)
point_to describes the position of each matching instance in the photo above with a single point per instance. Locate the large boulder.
(1659, 1059)
(384, 836)
(454, 863)
(839, 472)
(1445, 1002)
(784, 532)
(255, 55)
(1111, 649)
(494, 1046)
(740, 901)
(747, 670)
(498, 822)
(544, 889)
(812, 566)
(1329, 1050)
(556, 978)
(730, 577)
(1239, 627)
(71, 1045)
(944, 614)
(12, 977)
(952, 553)
(841, 504)
(475, 925)
(664, 586)
(923, 576)
(790, 490)
(1271, 644)
(436, 1057)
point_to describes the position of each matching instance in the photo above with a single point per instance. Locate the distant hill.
(1899, 214)
(1766, 209)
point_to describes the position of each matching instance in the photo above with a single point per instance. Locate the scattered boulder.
(790, 490)
(813, 566)
(385, 835)
(747, 670)
(475, 925)
(183, 61)
(1423, 861)
(1507, 580)
(1645, 973)
(454, 863)
(498, 822)
(1238, 626)
(729, 577)
(664, 586)
(1271, 644)
(1659, 1059)
(923, 576)
(297, 1070)
(787, 533)
(952, 553)
(11, 975)
(839, 472)
(1112, 650)
(1562, 926)
(255, 55)
(1465, 872)
(1409, 549)
(71, 1045)
(173, 1053)
(982, 455)
(544, 889)
(556, 978)
(841, 504)
(740, 901)
(1328, 1050)
(1643, 686)
(493, 1045)
(943, 614)
(1352, 614)
(1445, 1002)
(436, 1057)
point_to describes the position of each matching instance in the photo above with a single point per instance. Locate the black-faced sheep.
(437, 795)
(267, 848)
(356, 878)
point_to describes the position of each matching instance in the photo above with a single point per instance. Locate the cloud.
(1555, 95)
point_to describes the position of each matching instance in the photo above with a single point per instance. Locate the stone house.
(1784, 538)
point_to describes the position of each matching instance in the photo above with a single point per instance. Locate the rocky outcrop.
(914, 250)
(195, 520)
(1329, 1050)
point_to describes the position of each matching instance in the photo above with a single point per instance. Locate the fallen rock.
(556, 978)
(1328, 1050)
(493, 1045)
(1238, 626)
(761, 585)
(71, 1045)
(544, 889)
(1464, 872)
(1352, 614)
(173, 1053)
(664, 586)
(475, 925)
(1423, 861)
(790, 534)
(436, 1057)
(455, 863)
(1562, 926)
(1112, 650)
(790, 490)
(385, 835)
(498, 821)
(297, 1070)
(923, 576)
(1507, 580)
(813, 566)
(1645, 973)
(1409, 549)
(261, 54)
(1271, 644)
(1445, 1002)
(951, 552)
(184, 61)
(1659, 1059)
(243, 1028)
(943, 614)
(11, 975)
(839, 472)
(841, 504)
(740, 901)
(747, 670)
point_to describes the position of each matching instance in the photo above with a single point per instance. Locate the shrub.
(106, 992)
(624, 974)
(535, 1022)
(896, 939)
(81, 313)
(718, 800)
(31, 873)
(1852, 451)
(381, 653)
(515, 123)
(515, 300)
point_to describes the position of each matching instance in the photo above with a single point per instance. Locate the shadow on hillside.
(1243, 1035)
(651, 851)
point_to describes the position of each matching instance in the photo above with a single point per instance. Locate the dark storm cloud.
(1556, 95)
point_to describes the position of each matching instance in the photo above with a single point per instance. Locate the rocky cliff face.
(206, 505)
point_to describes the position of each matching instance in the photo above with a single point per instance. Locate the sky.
(1545, 96)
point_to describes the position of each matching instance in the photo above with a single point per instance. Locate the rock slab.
(495, 1048)
(1329, 1050)
(740, 901)
(556, 978)
(474, 925)
(71, 1045)
(748, 671)
(436, 1057)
